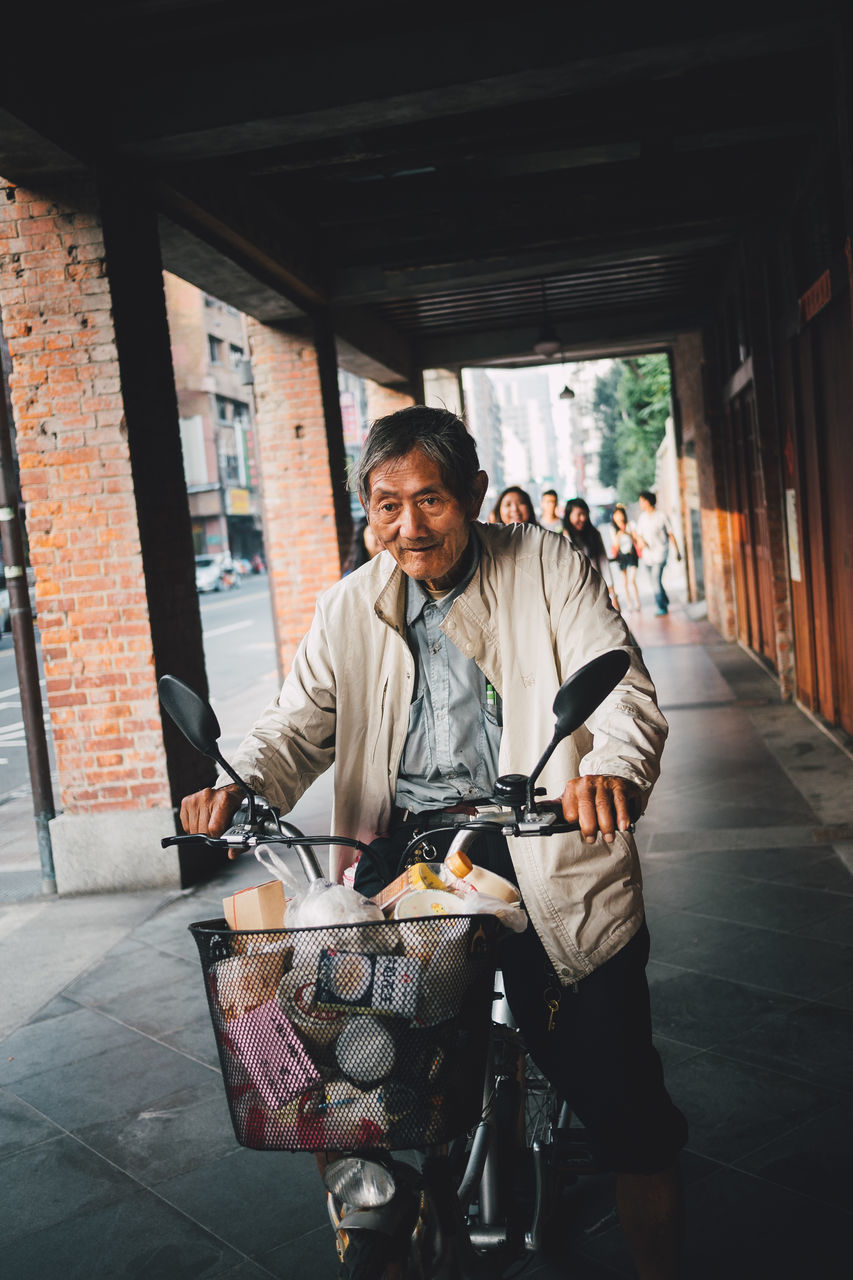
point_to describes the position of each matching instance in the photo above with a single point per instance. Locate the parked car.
(215, 573)
(5, 603)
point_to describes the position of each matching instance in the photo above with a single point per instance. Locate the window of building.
(235, 354)
(222, 414)
(214, 349)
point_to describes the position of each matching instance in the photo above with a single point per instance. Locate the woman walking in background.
(624, 551)
(514, 506)
(585, 537)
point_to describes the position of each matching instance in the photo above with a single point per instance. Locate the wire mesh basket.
(354, 1036)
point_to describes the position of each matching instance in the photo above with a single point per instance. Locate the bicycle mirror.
(195, 718)
(586, 689)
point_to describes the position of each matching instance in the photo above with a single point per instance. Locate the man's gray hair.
(438, 433)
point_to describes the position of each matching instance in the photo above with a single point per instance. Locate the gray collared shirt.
(451, 751)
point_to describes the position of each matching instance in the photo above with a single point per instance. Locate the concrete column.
(700, 426)
(307, 527)
(384, 400)
(84, 317)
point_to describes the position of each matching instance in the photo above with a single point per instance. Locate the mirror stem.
(531, 781)
(250, 795)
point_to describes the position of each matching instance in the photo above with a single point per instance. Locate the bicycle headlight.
(364, 1184)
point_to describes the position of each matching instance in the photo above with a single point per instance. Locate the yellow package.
(414, 878)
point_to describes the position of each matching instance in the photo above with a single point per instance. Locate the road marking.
(7, 693)
(221, 631)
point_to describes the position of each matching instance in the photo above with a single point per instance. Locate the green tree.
(631, 403)
(607, 411)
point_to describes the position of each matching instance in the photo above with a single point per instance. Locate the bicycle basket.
(353, 1036)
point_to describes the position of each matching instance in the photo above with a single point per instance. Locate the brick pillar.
(307, 527)
(79, 422)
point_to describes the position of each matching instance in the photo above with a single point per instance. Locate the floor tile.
(139, 1238)
(837, 926)
(811, 1042)
(118, 1082)
(813, 1158)
(699, 1010)
(196, 1039)
(169, 1137)
(280, 1197)
(155, 993)
(733, 1107)
(778, 961)
(21, 1125)
(68, 1037)
(52, 1184)
(766, 904)
(312, 1254)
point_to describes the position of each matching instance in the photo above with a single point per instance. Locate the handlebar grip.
(212, 842)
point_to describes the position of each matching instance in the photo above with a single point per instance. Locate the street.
(241, 670)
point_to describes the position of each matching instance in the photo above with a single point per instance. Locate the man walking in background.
(654, 533)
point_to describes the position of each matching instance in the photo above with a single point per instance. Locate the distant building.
(213, 380)
(483, 416)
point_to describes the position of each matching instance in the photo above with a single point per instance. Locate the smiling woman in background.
(514, 506)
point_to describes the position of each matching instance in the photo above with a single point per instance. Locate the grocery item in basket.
(262, 906)
(272, 1053)
(378, 939)
(373, 983)
(346, 1110)
(366, 1050)
(317, 1026)
(419, 876)
(429, 902)
(469, 878)
(243, 982)
(324, 904)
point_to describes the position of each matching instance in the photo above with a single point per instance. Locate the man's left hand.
(600, 802)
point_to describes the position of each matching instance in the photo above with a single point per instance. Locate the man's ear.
(478, 493)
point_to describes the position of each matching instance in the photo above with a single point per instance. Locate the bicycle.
(364, 1081)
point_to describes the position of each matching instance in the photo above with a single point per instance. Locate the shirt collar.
(417, 597)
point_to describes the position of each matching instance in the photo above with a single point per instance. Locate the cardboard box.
(272, 1053)
(260, 907)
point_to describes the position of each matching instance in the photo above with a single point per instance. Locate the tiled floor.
(116, 1153)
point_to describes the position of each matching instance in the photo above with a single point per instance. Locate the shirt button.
(469, 648)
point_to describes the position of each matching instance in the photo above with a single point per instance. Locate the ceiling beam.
(451, 351)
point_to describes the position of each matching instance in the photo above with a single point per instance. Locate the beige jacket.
(534, 612)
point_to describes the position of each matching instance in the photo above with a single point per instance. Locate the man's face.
(419, 520)
(549, 506)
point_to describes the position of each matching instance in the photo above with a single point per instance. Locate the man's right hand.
(209, 812)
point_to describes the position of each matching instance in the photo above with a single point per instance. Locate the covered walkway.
(117, 1157)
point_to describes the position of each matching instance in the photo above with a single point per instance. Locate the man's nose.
(413, 523)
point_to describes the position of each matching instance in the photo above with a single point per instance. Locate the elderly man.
(426, 674)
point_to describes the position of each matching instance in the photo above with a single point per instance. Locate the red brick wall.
(300, 528)
(76, 484)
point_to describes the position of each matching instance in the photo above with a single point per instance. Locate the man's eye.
(431, 502)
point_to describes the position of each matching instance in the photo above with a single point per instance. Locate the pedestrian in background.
(514, 506)
(654, 534)
(623, 550)
(584, 536)
(548, 516)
